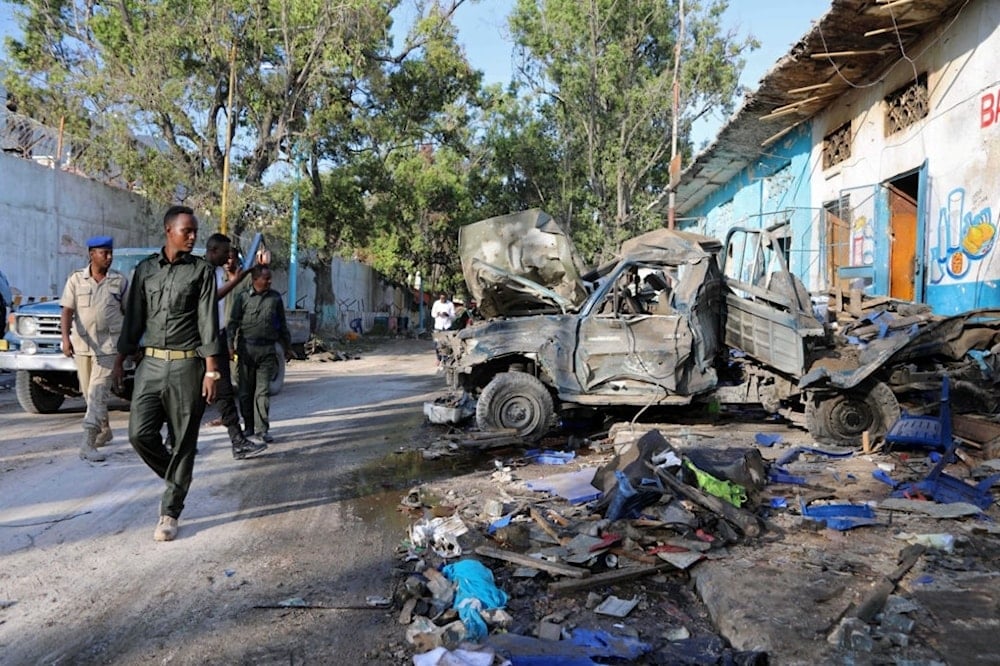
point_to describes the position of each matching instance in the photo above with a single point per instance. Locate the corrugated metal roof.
(853, 44)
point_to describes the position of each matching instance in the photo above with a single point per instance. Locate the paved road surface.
(82, 580)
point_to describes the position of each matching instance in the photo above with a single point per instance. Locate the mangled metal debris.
(681, 319)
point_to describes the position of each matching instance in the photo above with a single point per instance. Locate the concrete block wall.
(47, 215)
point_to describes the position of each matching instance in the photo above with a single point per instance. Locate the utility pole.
(293, 245)
(675, 160)
(229, 137)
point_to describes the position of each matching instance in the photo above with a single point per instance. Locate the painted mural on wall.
(963, 240)
(862, 242)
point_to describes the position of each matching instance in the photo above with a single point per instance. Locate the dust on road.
(314, 519)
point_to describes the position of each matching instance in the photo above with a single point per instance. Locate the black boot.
(243, 447)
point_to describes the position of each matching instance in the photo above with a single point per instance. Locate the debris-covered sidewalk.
(707, 544)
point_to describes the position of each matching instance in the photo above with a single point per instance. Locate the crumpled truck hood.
(521, 264)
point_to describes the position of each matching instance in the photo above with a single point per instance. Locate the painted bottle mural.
(963, 238)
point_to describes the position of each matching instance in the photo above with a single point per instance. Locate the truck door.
(768, 310)
(632, 345)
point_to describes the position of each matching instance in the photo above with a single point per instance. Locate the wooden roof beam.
(901, 26)
(846, 54)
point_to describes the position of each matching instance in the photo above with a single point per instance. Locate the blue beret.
(101, 241)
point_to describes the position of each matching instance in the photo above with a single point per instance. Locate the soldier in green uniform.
(171, 308)
(256, 323)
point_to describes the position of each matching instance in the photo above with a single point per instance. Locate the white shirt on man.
(443, 313)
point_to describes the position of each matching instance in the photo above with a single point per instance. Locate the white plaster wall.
(47, 215)
(963, 155)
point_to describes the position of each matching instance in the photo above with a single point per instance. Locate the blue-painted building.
(877, 139)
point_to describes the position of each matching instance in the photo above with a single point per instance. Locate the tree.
(144, 88)
(606, 69)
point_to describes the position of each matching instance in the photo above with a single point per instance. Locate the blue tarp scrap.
(839, 516)
(549, 457)
(767, 439)
(578, 650)
(474, 591)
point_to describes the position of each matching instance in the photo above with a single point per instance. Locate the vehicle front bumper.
(17, 360)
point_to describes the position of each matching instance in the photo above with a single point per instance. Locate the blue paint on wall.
(949, 299)
(773, 189)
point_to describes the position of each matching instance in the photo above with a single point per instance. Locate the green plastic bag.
(733, 493)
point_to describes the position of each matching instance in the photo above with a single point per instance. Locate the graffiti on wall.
(862, 242)
(964, 237)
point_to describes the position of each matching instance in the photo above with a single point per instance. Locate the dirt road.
(82, 580)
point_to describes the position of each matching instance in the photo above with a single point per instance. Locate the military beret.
(101, 241)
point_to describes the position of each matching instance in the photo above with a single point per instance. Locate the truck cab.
(32, 348)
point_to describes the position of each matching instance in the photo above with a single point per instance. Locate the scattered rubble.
(701, 545)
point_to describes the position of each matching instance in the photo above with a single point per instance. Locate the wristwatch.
(215, 374)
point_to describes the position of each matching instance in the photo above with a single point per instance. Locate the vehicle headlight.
(28, 346)
(27, 327)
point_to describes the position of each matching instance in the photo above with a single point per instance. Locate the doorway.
(903, 195)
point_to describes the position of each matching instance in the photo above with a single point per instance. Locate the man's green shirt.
(171, 306)
(259, 318)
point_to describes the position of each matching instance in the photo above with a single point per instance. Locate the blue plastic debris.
(578, 650)
(766, 439)
(549, 457)
(924, 580)
(474, 591)
(617, 510)
(779, 503)
(778, 475)
(839, 516)
(793, 453)
(883, 476)
(502, 521)
(945, 489)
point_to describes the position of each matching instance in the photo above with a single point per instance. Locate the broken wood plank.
(873, 602)
(533, 562)
(546, 527)
(973, 429)
(607, 578)
(854, 302)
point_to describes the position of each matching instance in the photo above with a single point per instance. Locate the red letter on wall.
(987, 111)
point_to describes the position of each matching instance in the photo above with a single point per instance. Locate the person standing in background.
(91, 320)
(443, 314)
(6, 302)
(219, 253)
(256, 323)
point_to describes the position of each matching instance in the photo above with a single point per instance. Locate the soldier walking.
(256, 323)
(218, 251)
(171, 308)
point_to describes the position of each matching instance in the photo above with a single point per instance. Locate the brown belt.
(170, 354)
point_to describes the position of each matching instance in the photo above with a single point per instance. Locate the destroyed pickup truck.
(678, 318)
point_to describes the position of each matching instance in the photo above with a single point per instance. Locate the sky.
(777, 24)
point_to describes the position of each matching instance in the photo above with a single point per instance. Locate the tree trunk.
(326, 305)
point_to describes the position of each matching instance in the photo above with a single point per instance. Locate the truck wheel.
(33, 397)
(841, 418)
(516, 400)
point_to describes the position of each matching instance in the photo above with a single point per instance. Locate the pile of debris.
(609, 563)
